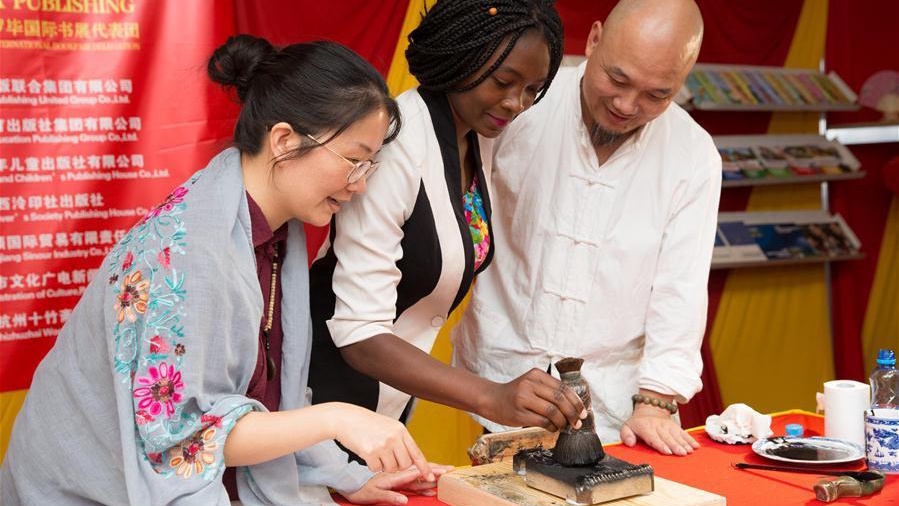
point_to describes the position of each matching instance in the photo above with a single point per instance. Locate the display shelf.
(815, 178)
(747, 87)
(752, 160)
(753, 239)
(770, 263)
(864, 133)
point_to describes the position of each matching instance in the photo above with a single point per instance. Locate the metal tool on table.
(846, 483)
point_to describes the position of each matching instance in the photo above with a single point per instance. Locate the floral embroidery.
(473, 205)
(161, 389)
(129, 259)
(150, 345)
(176, 197)
(142, 417)
(165, 257)
(194, 454)
(158, 345)
(133, 297)
(211, 421)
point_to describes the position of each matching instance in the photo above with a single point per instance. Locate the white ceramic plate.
(808, 450)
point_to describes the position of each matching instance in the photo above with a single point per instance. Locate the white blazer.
(400, 257)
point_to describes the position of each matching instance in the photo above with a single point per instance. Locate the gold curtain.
(881, 328)
(10, 403)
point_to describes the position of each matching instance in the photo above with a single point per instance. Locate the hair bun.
(234, 63)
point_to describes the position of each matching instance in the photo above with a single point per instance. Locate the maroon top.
(266, 391)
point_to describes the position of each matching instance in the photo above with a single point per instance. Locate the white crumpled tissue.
(738, 424)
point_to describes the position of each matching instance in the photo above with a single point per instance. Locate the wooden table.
(710, 468)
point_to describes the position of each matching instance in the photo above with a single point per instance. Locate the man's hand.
(657, 429)
(534, 399)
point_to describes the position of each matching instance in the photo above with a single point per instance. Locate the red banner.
(104, 107)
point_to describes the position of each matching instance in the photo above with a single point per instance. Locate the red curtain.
(369, 28)
(862, 38)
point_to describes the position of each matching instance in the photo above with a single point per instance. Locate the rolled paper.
(845, 402)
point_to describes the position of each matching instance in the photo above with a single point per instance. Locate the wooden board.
(500, 446)
(497, 485)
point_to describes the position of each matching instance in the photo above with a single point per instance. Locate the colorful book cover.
(729, 94)
(696, 88)
(778, 87)
(728, 162)
(828, 85)
(736, 233)
(830, 239)
(711, 91)
(824, 156)
(796, 85)
(804, 171)
(799, 156)
(752, 88)
(819, 84)
(779, 171)
(772, 157)
(719, 238)
(731, 174)
(770, 95)
(784, 241)
(786, 89)
(739, 87)
(753, 173)
(811, 87)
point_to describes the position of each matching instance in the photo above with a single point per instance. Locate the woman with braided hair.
(401, 258)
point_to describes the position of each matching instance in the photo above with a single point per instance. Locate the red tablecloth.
(710, 468)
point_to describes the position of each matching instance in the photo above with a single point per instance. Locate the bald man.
(604, 212)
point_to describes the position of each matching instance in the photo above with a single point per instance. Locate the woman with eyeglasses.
(180, 377)
(402, 257)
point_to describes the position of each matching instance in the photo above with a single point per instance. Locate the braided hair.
(458, 37)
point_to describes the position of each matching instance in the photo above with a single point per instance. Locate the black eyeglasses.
(360, 170)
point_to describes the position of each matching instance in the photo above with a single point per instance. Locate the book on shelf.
(762, 237)
(713, 86)
(773, 157)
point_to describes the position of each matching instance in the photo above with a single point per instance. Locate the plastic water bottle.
(885, 382)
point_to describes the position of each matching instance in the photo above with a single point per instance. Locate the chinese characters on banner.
(104, 108)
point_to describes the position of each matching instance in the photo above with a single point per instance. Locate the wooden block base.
(498, 485)
(608, 479)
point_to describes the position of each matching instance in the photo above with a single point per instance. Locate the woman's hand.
(383, 487)
(384, 443)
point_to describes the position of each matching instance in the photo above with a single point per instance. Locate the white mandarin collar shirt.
(606, 262)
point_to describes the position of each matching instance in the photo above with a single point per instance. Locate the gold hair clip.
(492, 11)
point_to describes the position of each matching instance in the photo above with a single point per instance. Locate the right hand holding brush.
(534, 399)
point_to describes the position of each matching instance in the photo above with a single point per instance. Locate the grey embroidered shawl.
(149, 374)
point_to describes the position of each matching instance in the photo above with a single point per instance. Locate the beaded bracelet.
(654, 401)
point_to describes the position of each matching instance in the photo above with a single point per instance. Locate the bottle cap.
(886, 357)
(794, 429)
